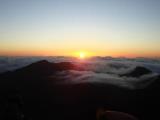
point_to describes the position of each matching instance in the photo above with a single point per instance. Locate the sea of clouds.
(106, 70)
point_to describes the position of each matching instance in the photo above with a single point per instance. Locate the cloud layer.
(77, 77)
(102, 70)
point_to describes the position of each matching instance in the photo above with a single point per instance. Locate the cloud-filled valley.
(77, 77)
(94, 70)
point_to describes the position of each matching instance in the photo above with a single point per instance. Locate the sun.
(82, 55)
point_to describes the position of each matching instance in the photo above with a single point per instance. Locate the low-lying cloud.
(77, 77)
(104, 70)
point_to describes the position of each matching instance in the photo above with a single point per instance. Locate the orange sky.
(75, 53)
(62, 28)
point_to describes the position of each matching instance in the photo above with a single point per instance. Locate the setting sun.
(82, 55)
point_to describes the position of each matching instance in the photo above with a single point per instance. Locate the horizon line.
(71, 56)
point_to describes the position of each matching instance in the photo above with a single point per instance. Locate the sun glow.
(82, 55)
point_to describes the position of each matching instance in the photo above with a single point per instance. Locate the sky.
(128, 28)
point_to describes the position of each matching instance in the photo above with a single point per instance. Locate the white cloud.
(77, 77)
(104, 70)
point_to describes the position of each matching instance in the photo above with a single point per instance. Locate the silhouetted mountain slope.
(31, 92)
(42, 68)
(137, 72)
(45, 68)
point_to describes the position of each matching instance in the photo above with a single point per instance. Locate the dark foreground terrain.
(30, 93)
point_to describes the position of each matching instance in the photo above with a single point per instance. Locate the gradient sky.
(128, 28)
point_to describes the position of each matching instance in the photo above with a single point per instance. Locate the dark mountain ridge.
(41, 68)
(28, 91)
(137, 72)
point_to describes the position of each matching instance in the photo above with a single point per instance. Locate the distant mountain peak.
(43, 68)
(42, 62)
(137, 72)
